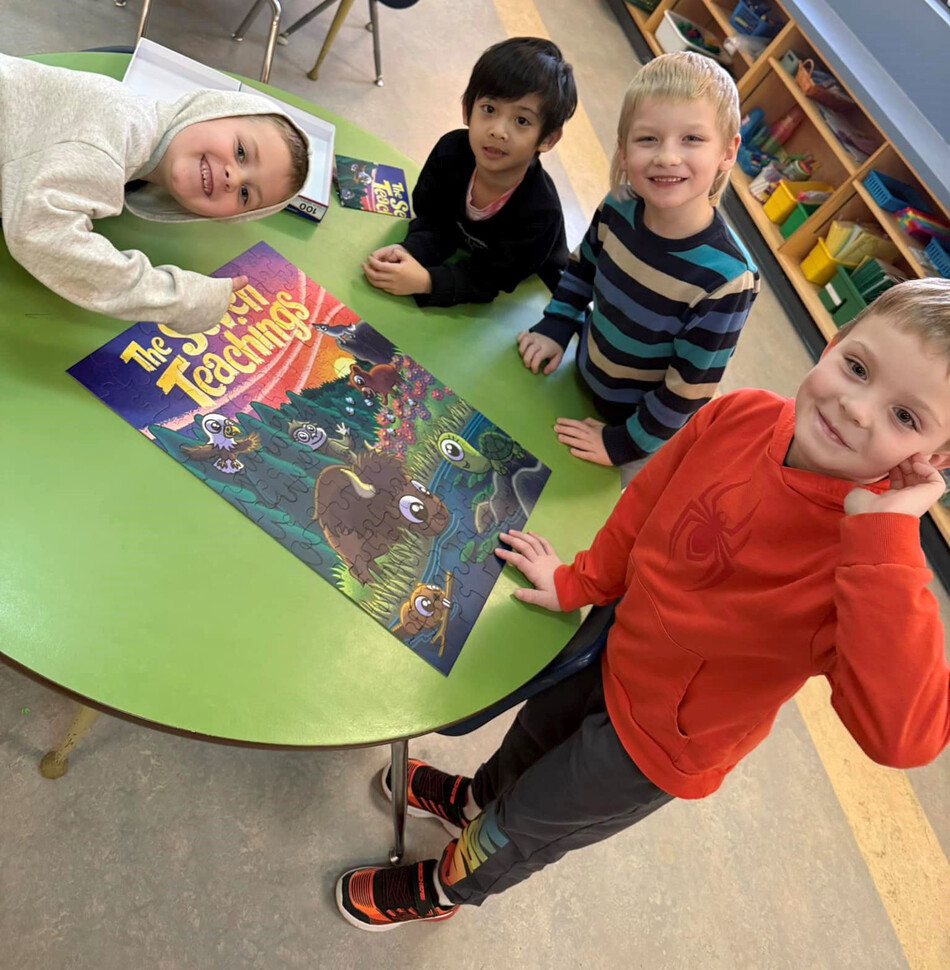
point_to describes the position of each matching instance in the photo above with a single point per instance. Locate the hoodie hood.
(155, 202)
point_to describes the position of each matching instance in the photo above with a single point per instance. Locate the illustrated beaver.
(378, 381)
(424, 610)
(365, 508)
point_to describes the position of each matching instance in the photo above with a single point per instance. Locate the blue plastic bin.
(939, 257)
(892, 194)
(753, 18)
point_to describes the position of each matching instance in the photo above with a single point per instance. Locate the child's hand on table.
(393, 270)
(915, 486)
(535, 348)
(584, 438)
(534, 557)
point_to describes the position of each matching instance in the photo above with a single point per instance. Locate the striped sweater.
(665, 320)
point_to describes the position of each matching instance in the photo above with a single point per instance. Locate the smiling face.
(226, 166)
(504, 135)
(672, 152)
(876, 397)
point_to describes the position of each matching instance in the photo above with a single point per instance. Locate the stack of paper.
(850, 242)
(165, 75)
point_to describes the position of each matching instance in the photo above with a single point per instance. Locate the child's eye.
(489, 109)
(857, 368)
(245, 195)
(241, 154)
(694, 138)
(905, 418)
(522, 122)
(645, 138)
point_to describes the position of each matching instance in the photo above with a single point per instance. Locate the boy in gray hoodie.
(70, 144)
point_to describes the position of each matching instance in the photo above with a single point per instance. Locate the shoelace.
(395, 890)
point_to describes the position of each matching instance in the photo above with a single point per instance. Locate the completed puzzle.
(349, 453)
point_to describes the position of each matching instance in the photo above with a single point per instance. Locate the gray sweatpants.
(560, 780)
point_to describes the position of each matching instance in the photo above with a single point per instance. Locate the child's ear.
(729, 158)
(941, 459)
(549, 141)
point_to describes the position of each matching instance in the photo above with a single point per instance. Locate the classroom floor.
(160, 853)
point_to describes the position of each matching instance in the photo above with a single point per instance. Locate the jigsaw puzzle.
(348, 452)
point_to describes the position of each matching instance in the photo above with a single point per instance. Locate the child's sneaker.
(380, 898)
(433, 793)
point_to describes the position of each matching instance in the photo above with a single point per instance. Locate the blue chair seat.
(580, 651)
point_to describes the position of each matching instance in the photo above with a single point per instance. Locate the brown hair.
(678, 76)
(915, 306)
(296, 144)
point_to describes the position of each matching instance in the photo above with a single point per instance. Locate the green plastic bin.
(841, 298)
(795, 218)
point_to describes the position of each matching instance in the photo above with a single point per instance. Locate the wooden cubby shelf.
(764, 83)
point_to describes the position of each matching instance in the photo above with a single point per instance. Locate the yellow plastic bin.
(781, 203)
(819, 265)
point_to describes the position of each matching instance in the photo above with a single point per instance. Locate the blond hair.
(678, 76)
(921, 307)
(296, 145)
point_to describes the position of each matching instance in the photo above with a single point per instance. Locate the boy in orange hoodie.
(767, 542)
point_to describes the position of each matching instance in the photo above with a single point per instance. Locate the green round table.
(128, 585)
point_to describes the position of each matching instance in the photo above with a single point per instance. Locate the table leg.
(399, 777)
(338, 19)
(55, 763)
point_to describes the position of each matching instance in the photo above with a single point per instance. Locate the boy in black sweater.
(484, 191)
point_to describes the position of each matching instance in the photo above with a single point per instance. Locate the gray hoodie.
(69, 143)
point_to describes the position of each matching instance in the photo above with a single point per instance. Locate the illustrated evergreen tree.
(334, 403)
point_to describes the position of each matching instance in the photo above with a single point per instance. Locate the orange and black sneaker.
(379, 898)
(433, 793)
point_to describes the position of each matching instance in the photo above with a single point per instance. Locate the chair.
(580, 651)
(341, 14)
(238, 35)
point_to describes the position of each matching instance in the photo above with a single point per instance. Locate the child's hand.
(584, 438)
(390, 254)
(238, 283)
(399, 273)
(534, 557)
(915, 486)
(536, 348)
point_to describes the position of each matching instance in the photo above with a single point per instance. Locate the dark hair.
(299, 159)
(520, 66)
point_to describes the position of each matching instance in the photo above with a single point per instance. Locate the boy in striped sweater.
(660, 286)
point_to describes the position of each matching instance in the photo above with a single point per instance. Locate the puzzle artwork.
(346, 451)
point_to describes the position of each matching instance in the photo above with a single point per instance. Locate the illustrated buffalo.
(365, 508)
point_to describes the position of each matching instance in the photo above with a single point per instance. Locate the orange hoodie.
(740, 579)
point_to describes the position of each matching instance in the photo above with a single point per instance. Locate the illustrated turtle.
(494, 452)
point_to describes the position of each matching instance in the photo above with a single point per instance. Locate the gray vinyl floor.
(159, 853)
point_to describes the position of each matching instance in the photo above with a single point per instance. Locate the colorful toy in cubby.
(787, 195)
(676, 33)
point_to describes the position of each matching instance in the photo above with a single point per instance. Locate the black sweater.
(527, 236)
